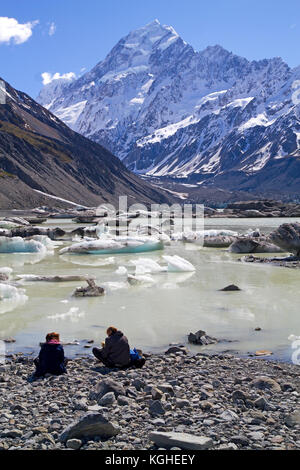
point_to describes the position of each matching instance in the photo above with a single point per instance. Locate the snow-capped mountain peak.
(166, 109)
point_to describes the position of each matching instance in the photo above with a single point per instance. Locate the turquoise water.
(152, 316)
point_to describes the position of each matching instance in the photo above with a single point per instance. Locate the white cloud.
(11, 31)
(48, 77)
(52, 29)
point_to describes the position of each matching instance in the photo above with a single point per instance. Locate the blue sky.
(69, 35)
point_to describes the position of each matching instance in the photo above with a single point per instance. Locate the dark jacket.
(116, 349)
(51, 360)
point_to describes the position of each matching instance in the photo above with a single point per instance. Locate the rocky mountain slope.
(39, 152)
(209, 117)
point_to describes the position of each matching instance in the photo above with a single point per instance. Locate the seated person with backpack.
(51, 359)
(116, 351)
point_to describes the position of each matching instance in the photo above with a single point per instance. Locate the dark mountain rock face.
(39, 152)
(209, 117)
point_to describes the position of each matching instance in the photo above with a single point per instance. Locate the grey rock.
(239, 395)
(266, 383)
(240, 440)
(166, 388)
(181, 440)
(74, 444)
(156, 408)
(293, 419)
(156, 393)
(89, 425)
(123, 401)
(175, 349)
(138, 384)
(105, 386)
(230, 288)
(201, 338)
(229, 415)
(107, 399)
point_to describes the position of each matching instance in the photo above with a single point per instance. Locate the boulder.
(293, 419)
(106, 386)
(266, 383)
(89, 425)
(201, 338)
(287, 237)
(92, 290)
(251, 245)
(181, 440)
(176, 349)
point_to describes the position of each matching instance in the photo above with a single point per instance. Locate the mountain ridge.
(39, 152)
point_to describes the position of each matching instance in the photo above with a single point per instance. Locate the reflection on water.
(166, 311)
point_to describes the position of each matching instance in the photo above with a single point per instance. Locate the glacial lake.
(153, 317)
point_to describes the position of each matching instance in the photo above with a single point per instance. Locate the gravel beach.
(176, 401)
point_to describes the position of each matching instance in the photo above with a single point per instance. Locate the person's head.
(52, 336)
(111, 330)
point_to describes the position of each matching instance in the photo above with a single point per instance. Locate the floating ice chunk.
(46, 241)
(11, 297)
(141, 279)
(115, 285)
(146, 266)
(20, 245)
(6, 271)
(121, 270)
(293, 338)
(116, 245)
(72, 315)
(178, 264)
(88, 261)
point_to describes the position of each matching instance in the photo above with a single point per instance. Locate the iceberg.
(72, 315)
(177, 264)
(146, 266)
(11, 297)
(145, 279)
(116, 245)
(20, 245)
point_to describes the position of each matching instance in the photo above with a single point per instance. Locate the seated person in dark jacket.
(115, 351)
(51, 358)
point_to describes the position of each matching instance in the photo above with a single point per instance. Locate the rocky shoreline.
(284, 263)
(178, 400)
